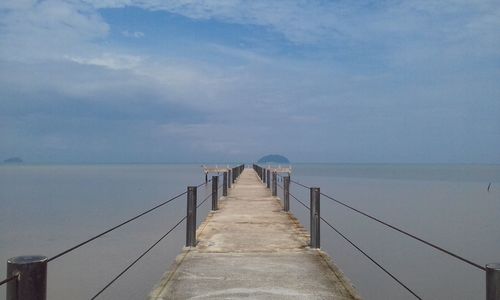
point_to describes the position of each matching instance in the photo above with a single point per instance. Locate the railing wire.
(152, 246)
(300, 184)
(15, 277)
(9, 279)
(116, 227)
(408, 234)
(400, 230)
(297, 199)
(360, 250)
(137, 259)
(371, 259)
(203, 201)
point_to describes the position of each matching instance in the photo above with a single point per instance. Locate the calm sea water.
(46, 209)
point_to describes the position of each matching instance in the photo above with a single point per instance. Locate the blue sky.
(214, 81)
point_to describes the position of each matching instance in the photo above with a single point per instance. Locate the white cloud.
(345, 21)
(299, 21)
(70, 27)
(17, 4)
(133, 34)
(407, 62)
(111, 61)
(49, 29)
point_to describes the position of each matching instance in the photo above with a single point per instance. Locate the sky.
(137, 81)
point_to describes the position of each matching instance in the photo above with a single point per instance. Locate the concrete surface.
(250, 248)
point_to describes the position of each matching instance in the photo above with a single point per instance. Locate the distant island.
(274, 158)
(13, 160)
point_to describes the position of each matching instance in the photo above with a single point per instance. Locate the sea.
(46, 209)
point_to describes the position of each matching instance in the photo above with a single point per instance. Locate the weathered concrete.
(251, 248)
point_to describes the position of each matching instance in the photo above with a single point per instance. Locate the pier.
(251, 247)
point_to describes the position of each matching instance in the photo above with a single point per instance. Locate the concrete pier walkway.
(251, 248)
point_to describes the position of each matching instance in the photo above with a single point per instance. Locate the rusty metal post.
(224, 184)
(286, 193)
(215, 192)
(315, 217)
(275, 184)
(493, 281)
(268, 178)
(191, 217)
(32, 278)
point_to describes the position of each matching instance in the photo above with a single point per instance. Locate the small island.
(274, 158)
(13, 160)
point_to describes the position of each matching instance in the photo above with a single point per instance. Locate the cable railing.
(150, 247)
(115, 227)
(138, 258)
(21, 270)
(384, 269)
(11, 278)
(270, 178)
(399, 230)
(27, 275)
(153, 245)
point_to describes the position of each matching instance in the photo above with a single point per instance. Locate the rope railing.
(270, 179)
(6, 280)
(204, 200)
(360, 250)
(404, 232)
(298, 200)
(299, 184)
(371, 259)
(137, 259)
(36, 265)
(154, 244)
(228, 177)
(116, 227)
(122, 224)
(408, 234)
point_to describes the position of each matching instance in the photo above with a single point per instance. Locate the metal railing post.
(493, 281)
(286, 193)
(275, 184)
(229, 178)
(191, 217)
(215, 192)
(224, 184)
(268, 175)
(31, 283)
(315, 217)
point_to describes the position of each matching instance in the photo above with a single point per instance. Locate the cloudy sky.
(227, 80)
